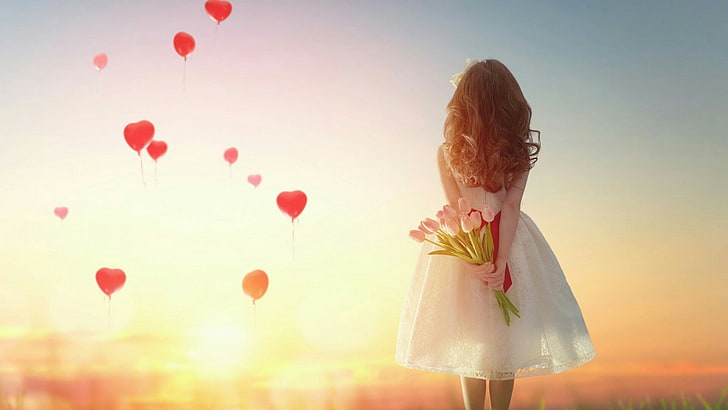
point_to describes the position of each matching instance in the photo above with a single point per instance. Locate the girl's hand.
(496, 277)
(481, 271)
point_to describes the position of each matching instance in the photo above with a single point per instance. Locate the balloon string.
(141, 166)
(214, 39)
(184, 74)
(293, 239)
(108, 313)
(255, 317)
(155, 174)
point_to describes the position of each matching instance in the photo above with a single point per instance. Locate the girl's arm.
(452, 193)
(510, 213)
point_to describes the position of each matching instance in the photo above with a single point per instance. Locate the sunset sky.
(345, 101)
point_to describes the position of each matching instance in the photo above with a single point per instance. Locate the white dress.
(451, 322)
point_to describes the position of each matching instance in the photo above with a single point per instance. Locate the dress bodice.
(478, 197)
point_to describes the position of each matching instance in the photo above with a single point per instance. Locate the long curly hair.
(488, 135)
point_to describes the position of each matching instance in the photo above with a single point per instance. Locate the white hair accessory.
(455, 79)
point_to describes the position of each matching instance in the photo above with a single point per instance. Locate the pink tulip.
(488, 214)
(441, 217)
(476, 219)
(464, 206)
(449, 212)
(466, 223)
(418, 236)
(431, 224)
(424, 229)
(452, 227)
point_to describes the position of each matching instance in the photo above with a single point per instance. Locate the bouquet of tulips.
(467, 235)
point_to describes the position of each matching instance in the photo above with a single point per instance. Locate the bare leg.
(473, 393)
(500, 394)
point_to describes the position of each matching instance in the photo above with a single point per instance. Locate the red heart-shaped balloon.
(100, 61)
(255, 284)
(156, 149)
(61, 212)
(231, 155)
(255, 179)
(291, 203)
(110, 280)
(184, 44)
(139, 134)
(218, 10)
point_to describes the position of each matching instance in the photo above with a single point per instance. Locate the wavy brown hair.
(488, 135)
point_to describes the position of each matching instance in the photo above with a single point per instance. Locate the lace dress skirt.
(451, 322)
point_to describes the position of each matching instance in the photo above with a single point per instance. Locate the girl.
(451, 322)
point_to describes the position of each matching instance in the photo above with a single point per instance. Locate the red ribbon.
(494, 228)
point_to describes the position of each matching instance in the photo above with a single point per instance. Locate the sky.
(345, 101)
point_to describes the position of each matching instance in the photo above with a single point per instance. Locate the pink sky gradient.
(345, 101)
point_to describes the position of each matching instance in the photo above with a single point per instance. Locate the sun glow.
(220, 348)
(325, 318)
